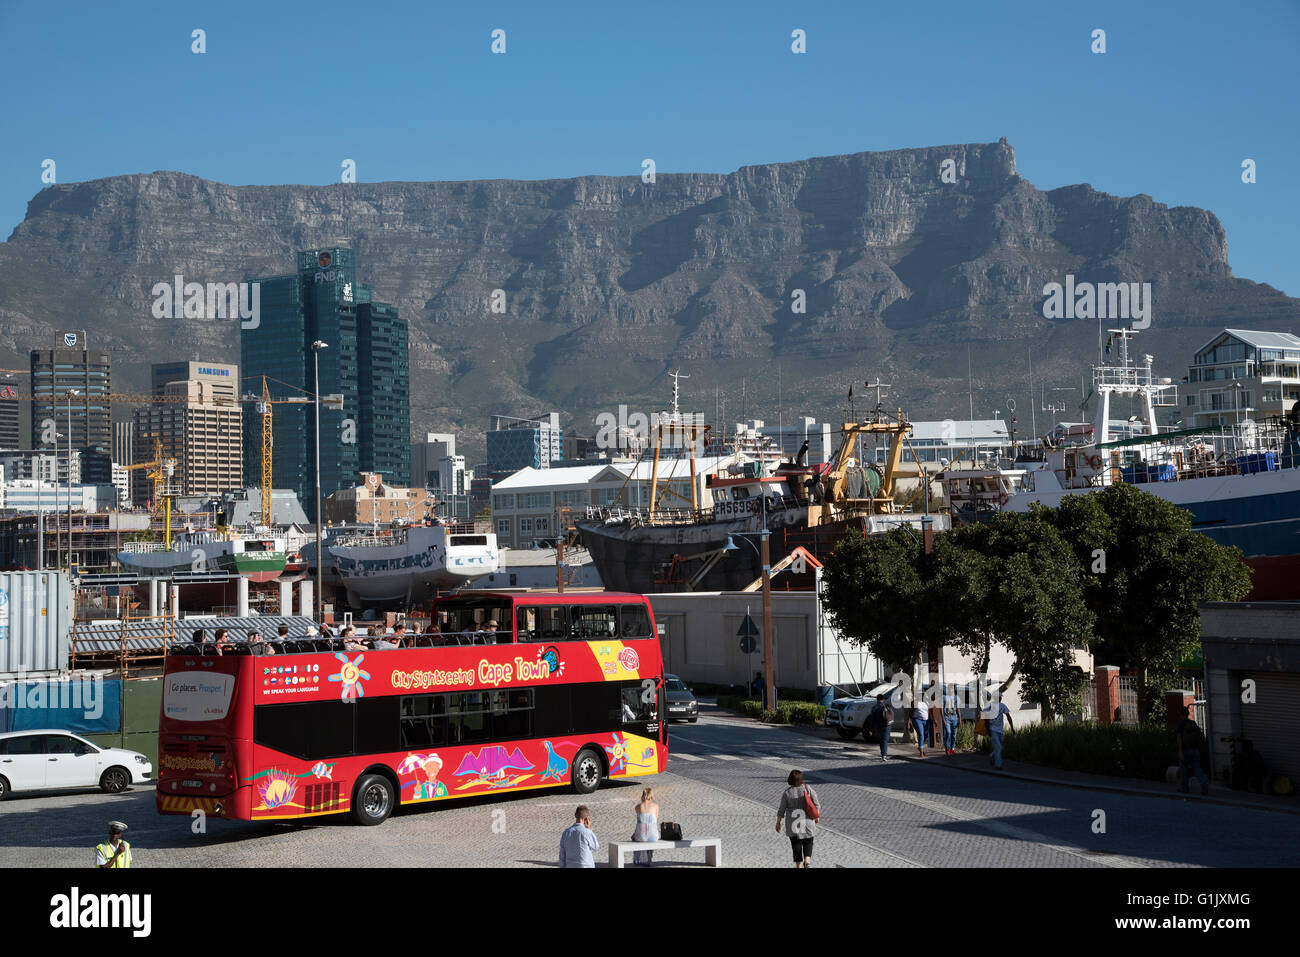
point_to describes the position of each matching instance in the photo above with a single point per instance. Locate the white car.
(47, 759)
(848, 716)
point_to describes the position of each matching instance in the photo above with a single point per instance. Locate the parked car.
(47, 759)
(848, 716)
(681, 700)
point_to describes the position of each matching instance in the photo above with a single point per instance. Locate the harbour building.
(1242, 374)
(514, 443)
(365, 361)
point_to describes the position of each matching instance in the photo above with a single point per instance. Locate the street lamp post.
(71, 393)
(40, 515)
(316, 347)
(769, 668)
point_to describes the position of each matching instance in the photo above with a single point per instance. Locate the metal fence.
(1128, 703)
(1128, 700)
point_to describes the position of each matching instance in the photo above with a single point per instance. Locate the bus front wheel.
(373, 800)
(587, 771)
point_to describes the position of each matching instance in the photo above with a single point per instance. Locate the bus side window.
(594, 622)
(529, 628)
(635, 622)
(554, 623)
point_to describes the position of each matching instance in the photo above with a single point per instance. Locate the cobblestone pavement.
(724, 780)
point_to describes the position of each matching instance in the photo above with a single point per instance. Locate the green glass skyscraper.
(366, 361)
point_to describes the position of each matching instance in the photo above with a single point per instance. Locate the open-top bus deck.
(317, 730)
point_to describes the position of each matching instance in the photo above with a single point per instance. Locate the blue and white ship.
(1241, 482)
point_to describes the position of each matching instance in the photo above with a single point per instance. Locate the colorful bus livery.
(286, 736)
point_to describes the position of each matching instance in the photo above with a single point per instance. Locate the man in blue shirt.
(578, 842)
(995, 732)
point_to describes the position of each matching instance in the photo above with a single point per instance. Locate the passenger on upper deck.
(350, 643)
(398, 637)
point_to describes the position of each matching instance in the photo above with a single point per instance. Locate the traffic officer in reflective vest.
(115, 852)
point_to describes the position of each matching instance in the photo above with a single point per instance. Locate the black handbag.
(668, 831)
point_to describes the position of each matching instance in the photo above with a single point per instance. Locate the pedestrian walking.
(800, 810)
(951, 717)
(1190, 739)
(647, 826)
(995, 732)
(920, 721)
(880, 721)
(115, 852)
(578, 843)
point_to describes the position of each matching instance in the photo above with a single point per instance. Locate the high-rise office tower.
(203, 433)
(56, 374)
(365, 361)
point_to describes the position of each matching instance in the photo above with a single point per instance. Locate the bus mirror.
(661, 629)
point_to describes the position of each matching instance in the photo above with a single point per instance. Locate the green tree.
(1146, 573)
(876, 594)
(1016, 581)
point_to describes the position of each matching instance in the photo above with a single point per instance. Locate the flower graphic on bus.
(277, 789)
(617, 753)
(351, 675)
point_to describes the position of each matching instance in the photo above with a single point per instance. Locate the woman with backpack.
(800, 810)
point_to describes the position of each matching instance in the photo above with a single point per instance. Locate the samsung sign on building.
(204, 370)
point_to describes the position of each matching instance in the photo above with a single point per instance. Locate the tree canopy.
(1118, 569)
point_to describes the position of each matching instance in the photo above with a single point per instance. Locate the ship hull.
(637, 558)
(1257, 513)
(410, 572)
(257, 567)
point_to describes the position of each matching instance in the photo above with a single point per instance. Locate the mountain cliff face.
(610, 282)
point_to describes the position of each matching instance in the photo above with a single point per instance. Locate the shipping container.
(35, 622)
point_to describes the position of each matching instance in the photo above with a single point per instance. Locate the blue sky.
(411, 91)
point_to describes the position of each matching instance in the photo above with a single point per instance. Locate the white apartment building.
(1242, 374)
(789, 437)
(525, 506)
(950, 439)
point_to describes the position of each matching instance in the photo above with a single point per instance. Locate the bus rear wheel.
(587, 771)
(373, 800)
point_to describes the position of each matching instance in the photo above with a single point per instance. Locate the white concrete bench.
(618, 850)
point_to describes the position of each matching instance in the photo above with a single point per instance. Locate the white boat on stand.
(409, 564)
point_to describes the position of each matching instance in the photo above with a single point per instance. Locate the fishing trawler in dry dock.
(700, 549)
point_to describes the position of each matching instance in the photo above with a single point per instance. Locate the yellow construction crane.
(160, 504)
(265, 406)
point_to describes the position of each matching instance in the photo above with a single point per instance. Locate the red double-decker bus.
(506, 691)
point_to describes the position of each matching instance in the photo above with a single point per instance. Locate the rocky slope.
(611, 282)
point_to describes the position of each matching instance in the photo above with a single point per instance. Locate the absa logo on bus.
(629, 659)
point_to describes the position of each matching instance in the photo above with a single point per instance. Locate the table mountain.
(610, 282)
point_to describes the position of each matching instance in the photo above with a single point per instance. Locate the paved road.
(724, 779)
